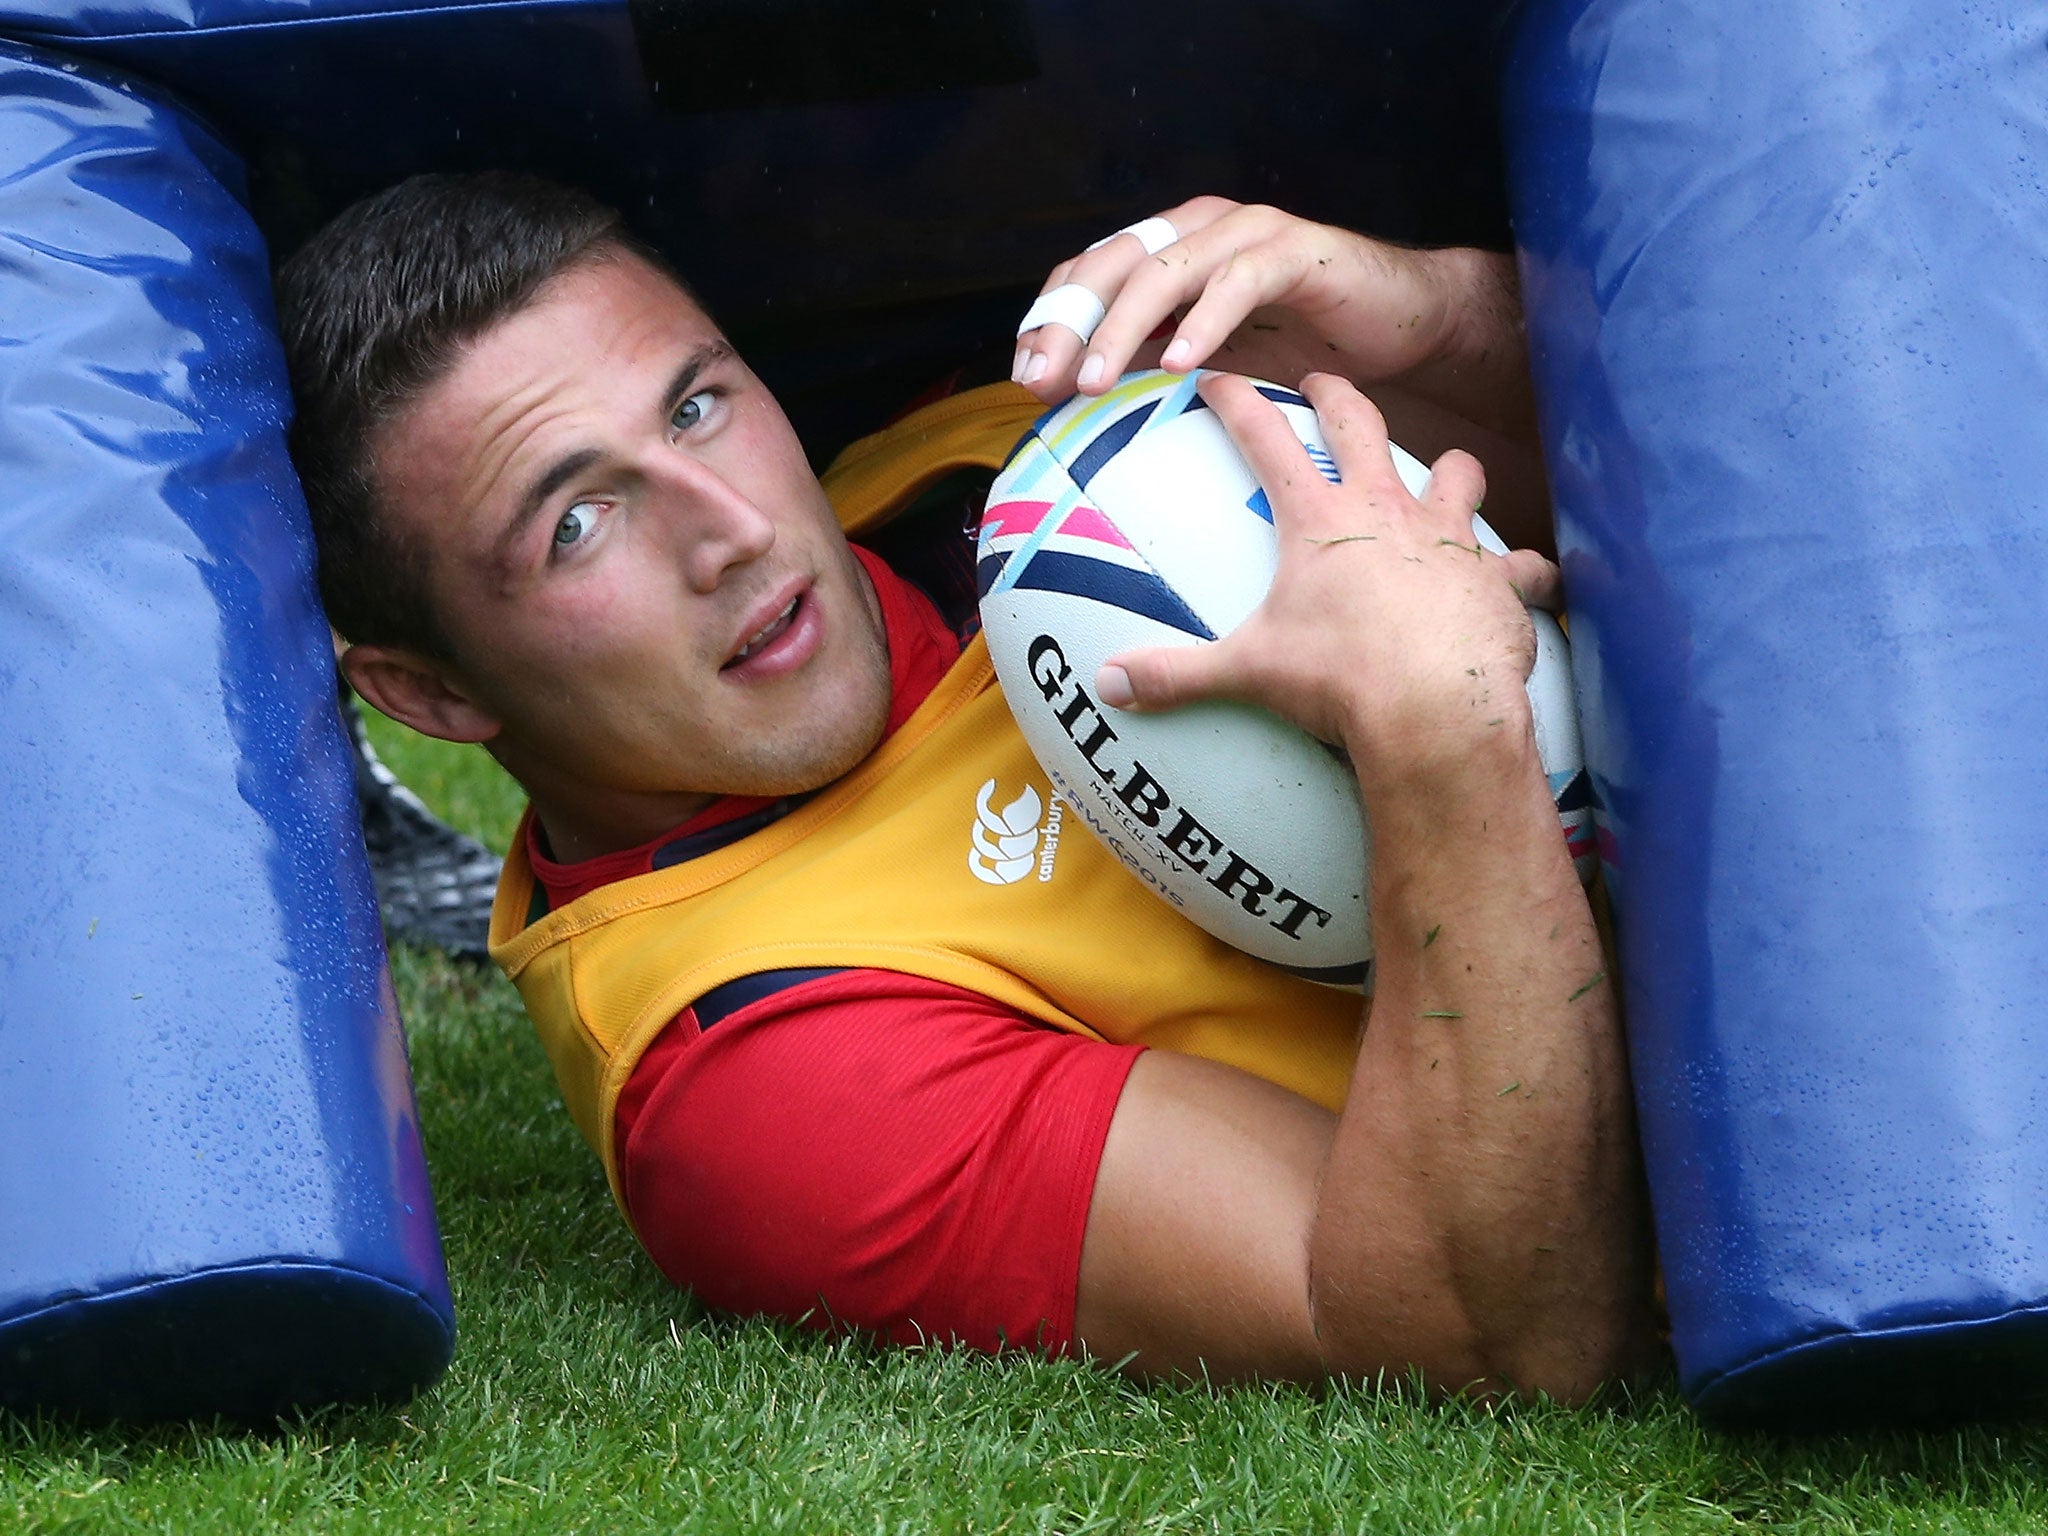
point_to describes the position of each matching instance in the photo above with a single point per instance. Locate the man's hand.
(1475, 1214)
(1262, 292)
(1387, 625)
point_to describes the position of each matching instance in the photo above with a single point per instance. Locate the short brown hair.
(373, 310)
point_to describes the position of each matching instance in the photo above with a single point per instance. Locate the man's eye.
(692, 411)
(574, 524)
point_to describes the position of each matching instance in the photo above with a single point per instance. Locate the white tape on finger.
(1071, 305)
(1155, 234)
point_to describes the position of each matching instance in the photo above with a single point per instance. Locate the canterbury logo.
(1005, 841)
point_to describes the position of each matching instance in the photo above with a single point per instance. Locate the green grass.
(588, 1396)
(462, 784)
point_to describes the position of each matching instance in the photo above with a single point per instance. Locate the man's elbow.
(1567, 1358)
(1571, 1364)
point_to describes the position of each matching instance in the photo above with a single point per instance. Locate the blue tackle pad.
(1785, 268)
(211, 1182)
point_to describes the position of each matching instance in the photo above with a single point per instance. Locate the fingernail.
(1017, 365)
(1113, 686)
(1034, 370)
(1091, 370)
(1175, 358)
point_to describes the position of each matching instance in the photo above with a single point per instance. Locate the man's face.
(645, 590)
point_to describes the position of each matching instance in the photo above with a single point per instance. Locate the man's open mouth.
(767, 634)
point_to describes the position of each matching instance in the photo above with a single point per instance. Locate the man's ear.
(416, 692)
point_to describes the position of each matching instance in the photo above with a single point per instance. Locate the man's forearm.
(1478, 367)
(1482, 1190)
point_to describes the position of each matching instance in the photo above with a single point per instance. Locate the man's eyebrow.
(557, 475)
(678, 390)
(569, 466)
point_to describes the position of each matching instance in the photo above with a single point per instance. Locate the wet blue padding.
(1786, 266)
(211, 1186)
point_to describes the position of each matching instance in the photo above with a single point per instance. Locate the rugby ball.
(1131, 519)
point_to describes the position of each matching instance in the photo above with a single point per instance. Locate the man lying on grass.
(833, 1076)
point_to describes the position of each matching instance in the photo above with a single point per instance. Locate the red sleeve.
(873, 1149)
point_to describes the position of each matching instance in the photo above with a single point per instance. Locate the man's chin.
(830, 761)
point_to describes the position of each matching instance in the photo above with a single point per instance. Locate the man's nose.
(716, 526)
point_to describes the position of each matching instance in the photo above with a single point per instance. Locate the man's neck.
(588, 828)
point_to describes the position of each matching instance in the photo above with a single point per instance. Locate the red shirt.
(861, 1147)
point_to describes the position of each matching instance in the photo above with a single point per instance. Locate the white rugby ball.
(1131, 519)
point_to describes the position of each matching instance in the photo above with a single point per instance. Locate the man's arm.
(1476, 1212)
